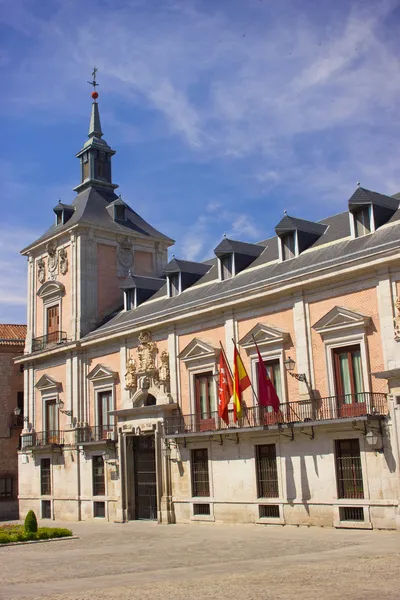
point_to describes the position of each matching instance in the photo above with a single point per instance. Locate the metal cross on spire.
(94, 82)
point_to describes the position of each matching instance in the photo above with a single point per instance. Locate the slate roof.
(335, 247)
(142, 282)
(288, 224)
(362, 196)
(185, 266)
(227, 246)
(12, 335)
(91, 209)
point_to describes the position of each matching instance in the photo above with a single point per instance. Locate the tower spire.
(95, 156)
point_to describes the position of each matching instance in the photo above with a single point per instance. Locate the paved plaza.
(143, 560)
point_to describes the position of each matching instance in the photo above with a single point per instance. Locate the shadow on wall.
(291, 484)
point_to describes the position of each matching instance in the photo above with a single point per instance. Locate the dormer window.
(130, 299)
(174, 284)
(288, 246)
(59, 218)
(119, 213)
(227, 266)
(362, 221)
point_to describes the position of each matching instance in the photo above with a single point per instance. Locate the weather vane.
(94, 83)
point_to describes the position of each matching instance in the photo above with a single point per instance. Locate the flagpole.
(251, 383)
(226, 359)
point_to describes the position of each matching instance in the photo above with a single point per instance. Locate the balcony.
(50, 340)
(90, 435)
(42, 439)
(332, 408)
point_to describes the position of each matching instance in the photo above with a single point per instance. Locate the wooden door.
(53, 323)
(351, 398)
(51, 422)
(206, 406)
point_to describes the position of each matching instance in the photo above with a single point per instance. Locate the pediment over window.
(51, 288)
(100, 372)
(197, 349)
(48, 383)
(339, 318)
(265, 335)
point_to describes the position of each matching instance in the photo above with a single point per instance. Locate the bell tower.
(95, 156)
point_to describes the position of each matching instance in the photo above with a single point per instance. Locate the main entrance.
(145, 480)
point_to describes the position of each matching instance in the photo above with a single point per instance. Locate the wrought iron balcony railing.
(55, 338)
(40, 439)
(85, 435)
(332, 408)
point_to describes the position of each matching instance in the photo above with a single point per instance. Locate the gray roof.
(361, 197)
(142, 282)
(91, 209)
(186, 266)
(288, 224)
(270, 271)
(227, 246)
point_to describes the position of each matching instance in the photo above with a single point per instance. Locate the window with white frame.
(288, 246)
(174, 284)
(227, 266)
(362, 221)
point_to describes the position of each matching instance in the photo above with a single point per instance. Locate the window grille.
(348, 469)
(200, 478)
(267, 473)
(270, 511)
(45, 477)
(201, 509)
(351, 513)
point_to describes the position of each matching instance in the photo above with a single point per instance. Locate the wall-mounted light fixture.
(60, 405)
(289, 366)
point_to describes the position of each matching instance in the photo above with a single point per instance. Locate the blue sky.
(224, 113)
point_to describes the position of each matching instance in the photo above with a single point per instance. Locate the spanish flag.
(242, 382)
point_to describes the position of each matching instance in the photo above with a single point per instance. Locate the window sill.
(352, 524)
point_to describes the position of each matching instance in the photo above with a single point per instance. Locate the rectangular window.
(101, 165)
(174, 284)
(348, 374)
(200, 478)
(287, 246)
(201, 509)
(362, 224)
(269, 511)
(45, 477)
(351, 513)
(206, 403)
(53, 323)
(46, 509)
(6, 487)
(273, 369)
(85, 170)
(99, 485)
(130, 297)
(105, 421)
(267, 472)
(226, 266)
(348, 469)
(51, 422)
(99, 510)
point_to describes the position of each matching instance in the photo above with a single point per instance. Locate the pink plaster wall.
(112, 362)
(143, 263)
(58, 373)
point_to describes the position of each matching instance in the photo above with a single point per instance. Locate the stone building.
(121, 366)
(12, 341)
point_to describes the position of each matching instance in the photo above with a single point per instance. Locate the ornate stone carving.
(41, 270)
(131, 375)
(163, 372)
(62, 255)
(147, 351)
(125, 256)
(397, 319)
(52, 259)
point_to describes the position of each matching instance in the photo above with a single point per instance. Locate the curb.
(60, 539)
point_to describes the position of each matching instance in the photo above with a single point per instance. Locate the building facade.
(122, 354)
(12, 341)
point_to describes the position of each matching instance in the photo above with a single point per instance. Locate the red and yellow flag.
(225, 388)
(241, 382)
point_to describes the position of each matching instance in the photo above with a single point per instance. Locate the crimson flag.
(267, 395)
(225, 388)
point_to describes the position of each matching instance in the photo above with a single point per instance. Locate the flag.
(225, 388)
(242, 382)
(267, 395)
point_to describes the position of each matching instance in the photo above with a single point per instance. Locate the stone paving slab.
(143, 560)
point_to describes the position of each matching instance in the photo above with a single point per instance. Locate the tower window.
(288, 250)
(226, 267)
(101, 165)
(85, 165)
(362, 222)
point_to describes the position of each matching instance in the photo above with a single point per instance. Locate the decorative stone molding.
(41, 270)
(341, 319)
(396, 320)
(51, 289)
(265, 335)
(52, 258)
(47, 383)
(164, 373)
(198, 350)
(101, 373)
(125, 256)
(63, 258)
(147, 351)
(131, 375)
